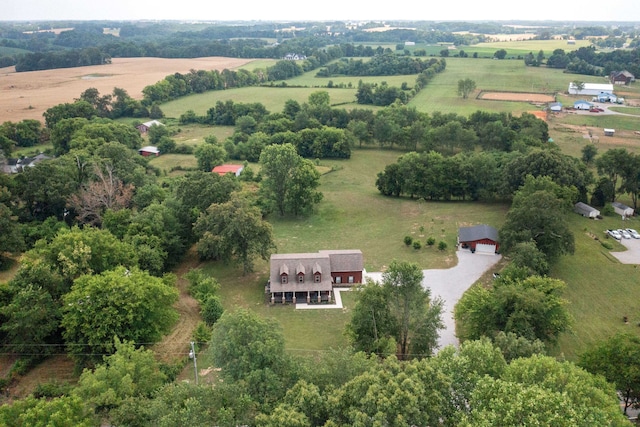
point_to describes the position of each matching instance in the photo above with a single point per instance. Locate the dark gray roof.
(477, 232)
(345, 260)
(584, 208)
(290, 264)
(323, 262)
(619, 205)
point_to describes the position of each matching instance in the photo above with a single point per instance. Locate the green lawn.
(439, 95)
(273, 98)
(352, 216)
(600, 289)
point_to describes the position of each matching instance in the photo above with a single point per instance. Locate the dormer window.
(284, 274)
(317, 273)
(300, 271)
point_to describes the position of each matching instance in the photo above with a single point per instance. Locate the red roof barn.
(225, 169)
(480, 238)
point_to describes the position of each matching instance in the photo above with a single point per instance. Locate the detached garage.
(586, 210)
(622, 209)
(479, 238)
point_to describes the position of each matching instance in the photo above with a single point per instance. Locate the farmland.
(353, 213)
(29, 94)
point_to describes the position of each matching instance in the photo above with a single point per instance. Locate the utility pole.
(192, 355)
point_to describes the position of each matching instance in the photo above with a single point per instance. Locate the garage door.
(484, 248)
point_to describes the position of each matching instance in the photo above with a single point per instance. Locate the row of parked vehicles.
(623, 233)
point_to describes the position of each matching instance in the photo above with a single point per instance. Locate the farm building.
(609, 132)
(144, 127)
(149, 150)
(18, 165)
(582, 105)
(590, 88)
(479, 238)
(605, 97)
(622, 209)
(225, 169)
(555, 107)
(621, 77)
(311, 276)
(586, 210)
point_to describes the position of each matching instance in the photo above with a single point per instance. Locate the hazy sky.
(285, 10)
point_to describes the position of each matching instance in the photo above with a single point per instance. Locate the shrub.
(442, 246)
(201, 335)
(606, 245)
(431, 241)
(417, 244)
(607, 210)
(211, 310)
(51, 389)
(408, 240)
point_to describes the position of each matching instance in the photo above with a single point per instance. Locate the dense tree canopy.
(139, 309)
(289, 181)
(530, 307)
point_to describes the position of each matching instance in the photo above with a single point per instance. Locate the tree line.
(264, 385)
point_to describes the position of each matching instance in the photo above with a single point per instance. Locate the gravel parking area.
(632, 254)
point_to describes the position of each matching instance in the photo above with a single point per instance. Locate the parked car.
(633, 233)
(624, 233)
(614, 234)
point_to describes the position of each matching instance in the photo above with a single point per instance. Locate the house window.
(338, 279)
(284, 278)
(350, 279)
(300, 278)
(317, 278)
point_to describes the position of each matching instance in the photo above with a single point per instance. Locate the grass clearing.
(273, 98)
(600, 289)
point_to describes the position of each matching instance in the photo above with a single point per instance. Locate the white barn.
(622, 209)
(590, 89)
(586, 210)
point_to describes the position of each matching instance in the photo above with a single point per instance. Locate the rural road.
(449, 284)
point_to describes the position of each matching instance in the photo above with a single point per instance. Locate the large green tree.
(399, 308)
(612, 164)
(234, 230)
(539, 390)
(125, 303)
(289, 181)
(465, 87)
(251, 348)
(129, 372)
(538, 213)
(618, 360)
(532, 308)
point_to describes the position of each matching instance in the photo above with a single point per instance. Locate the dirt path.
(175, 345)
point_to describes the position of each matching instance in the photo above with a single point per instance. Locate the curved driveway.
(449, 284)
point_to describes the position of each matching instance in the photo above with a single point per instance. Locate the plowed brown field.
(517, 96)
(29, 94)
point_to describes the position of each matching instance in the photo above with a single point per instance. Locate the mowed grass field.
(600, 289)
(439, 95)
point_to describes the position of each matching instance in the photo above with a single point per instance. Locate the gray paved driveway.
(451, 283)
(632, 254)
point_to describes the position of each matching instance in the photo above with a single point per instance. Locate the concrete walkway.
(448, 284)
(336, 295)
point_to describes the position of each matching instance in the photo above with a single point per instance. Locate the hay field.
(29, 94)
